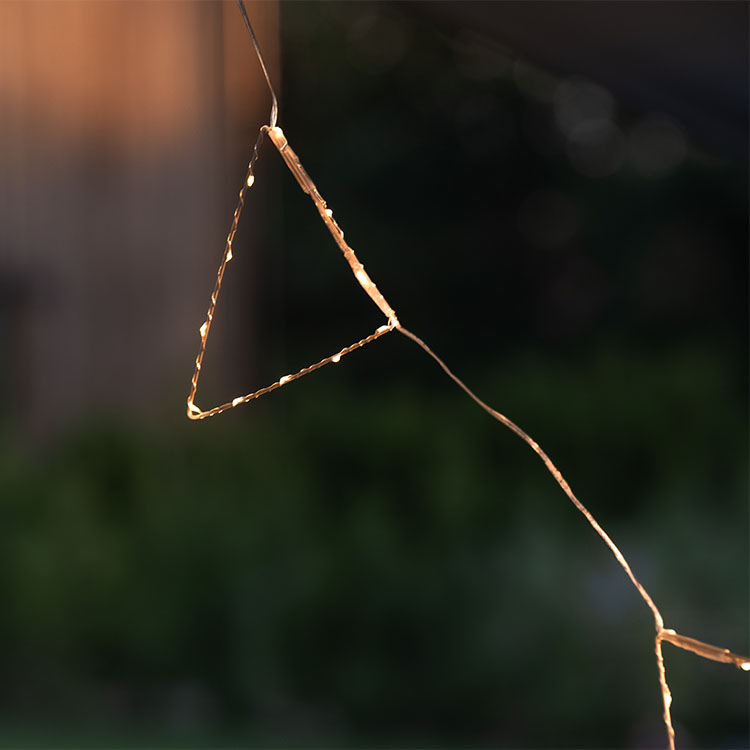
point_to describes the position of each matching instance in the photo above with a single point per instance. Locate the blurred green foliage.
(385, 565)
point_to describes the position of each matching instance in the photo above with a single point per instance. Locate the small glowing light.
(745, 665)
(276, 135)
(592, 116)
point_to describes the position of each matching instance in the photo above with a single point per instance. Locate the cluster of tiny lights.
(277, 137)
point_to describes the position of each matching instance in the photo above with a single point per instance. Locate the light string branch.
(279, 140)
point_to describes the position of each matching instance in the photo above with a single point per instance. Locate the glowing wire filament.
(277, 137)
(279, 140)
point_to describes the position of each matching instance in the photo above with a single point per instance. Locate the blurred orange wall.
(124, 127)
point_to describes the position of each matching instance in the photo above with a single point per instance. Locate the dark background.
(365, 558)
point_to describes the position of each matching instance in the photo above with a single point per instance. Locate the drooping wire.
(274, 100)
(279, 140)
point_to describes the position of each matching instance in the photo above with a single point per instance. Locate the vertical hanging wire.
(274, 100)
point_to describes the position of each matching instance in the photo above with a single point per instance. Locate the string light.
(279, 140)
(277, 137)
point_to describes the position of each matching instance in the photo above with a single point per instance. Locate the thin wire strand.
(333, 358)
(279, 140)
(707, 651)
(274, 100)
(192, 410)
(511, 425)
(277, 137)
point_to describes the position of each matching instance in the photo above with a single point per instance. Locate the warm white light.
(585, 113)
(278, 138)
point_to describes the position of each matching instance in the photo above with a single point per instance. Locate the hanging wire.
(278, 138)
(274, 100)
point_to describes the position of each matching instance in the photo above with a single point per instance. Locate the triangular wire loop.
(277, 137)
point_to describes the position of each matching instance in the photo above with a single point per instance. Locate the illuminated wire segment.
(279, 140)
(277, 137)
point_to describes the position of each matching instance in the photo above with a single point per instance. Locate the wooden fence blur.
(123, 128)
